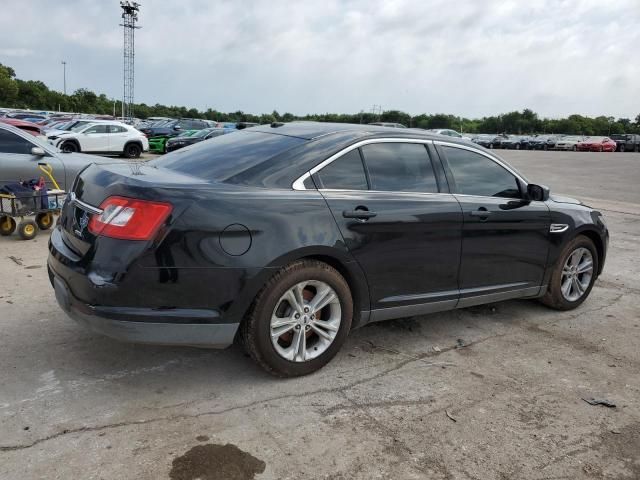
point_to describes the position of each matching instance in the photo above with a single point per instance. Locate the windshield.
(203, 133)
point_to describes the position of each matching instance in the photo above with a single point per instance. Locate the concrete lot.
(491, 392)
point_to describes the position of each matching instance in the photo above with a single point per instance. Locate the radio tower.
(129, 19)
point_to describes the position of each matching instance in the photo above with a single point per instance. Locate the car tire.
(132, 150)
(7, 225)
(69, 147)
(577, 251)
(575, 148)
(27, 229)
(44, 220)
(284, 356)
(621, 149)
(636, 149)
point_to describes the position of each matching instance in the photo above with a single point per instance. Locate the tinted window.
(399, 167)
(117, 129)
(12, 143)
(97, 129)
(476, 174)
(345, 173)
(228, 156)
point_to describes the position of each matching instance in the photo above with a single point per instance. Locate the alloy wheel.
(305, 321)
(576, 274)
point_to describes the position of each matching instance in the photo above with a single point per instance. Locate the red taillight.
(129, 219)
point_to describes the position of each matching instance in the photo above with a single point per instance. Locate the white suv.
(107, 138)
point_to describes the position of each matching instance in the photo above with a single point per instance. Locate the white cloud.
(467, 57)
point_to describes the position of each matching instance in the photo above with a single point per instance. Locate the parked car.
(71, 126)
(543, 142)
(172, 128)
(158, 144)
(388, 124)
(626, 142)
(278, 235)
(104, 137)
(26, 116)
(597, 144)
(446, 131)
(21, 154)
(28, 127)
(176, 143)
(515, 142)
(569, 142)
(487, 140)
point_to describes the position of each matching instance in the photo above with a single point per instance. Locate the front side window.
(12, 143)
(97, 129)
(399, 167)
(475, 174)
(344, 173)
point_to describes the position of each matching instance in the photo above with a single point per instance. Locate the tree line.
(34, 94)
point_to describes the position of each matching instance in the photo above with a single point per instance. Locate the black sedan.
(176, 143)
(287, 237)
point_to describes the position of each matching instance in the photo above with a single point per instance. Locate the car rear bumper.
(145, 325)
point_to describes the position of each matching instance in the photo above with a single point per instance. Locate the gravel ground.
(490, 392)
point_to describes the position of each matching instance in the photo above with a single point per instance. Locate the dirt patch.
(216, 462)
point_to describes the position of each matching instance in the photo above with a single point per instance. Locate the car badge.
(84, 221)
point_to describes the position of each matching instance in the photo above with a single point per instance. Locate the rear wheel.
(27, 229)
(299, 320)
(573, 275)
(621, 148)
(132, 150)
(575, 148)
(7, 226)
(44, 220)
(69, 147)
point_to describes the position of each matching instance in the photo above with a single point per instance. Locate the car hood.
(562, 199)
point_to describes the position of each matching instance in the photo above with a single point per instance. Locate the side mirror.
(177, 127)
(538, 193)
(38, 151)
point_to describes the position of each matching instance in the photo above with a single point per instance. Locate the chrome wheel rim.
(305, 321)
(576, 274)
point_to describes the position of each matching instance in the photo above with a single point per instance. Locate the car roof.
(314, 130)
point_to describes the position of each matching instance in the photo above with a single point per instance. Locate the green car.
(159, 144)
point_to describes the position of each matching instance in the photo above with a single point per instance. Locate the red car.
(29, 127)
(597, 144)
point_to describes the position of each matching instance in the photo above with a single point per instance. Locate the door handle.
(481, 212)
(359, 213)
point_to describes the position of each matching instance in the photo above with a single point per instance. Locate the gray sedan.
(22, 153)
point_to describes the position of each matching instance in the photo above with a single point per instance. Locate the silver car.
(568, 142)
(21, 154)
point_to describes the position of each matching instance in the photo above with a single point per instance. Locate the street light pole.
(64, 75)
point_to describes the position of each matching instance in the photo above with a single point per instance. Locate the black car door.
(403, 230)
(505, 238)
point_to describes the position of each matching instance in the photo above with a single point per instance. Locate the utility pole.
(64, 76)
(129, 18)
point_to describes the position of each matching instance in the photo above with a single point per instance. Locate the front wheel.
(132, 150)
(299, 320)
(573, 275)
(28, 229)
(7, 226)
(69, 147)
(621, 148)
(44, 220)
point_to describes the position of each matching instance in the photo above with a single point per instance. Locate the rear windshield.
(226, 157)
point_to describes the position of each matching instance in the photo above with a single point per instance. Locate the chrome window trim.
(484, 154)
(298, 184)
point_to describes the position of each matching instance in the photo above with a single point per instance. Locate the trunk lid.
(132, 180)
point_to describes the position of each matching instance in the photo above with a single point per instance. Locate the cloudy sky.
(466, 57)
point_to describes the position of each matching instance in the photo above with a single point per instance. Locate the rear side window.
(475, 174)
(12, 143)
(228, 156)
(344, 173)
(399, 167)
